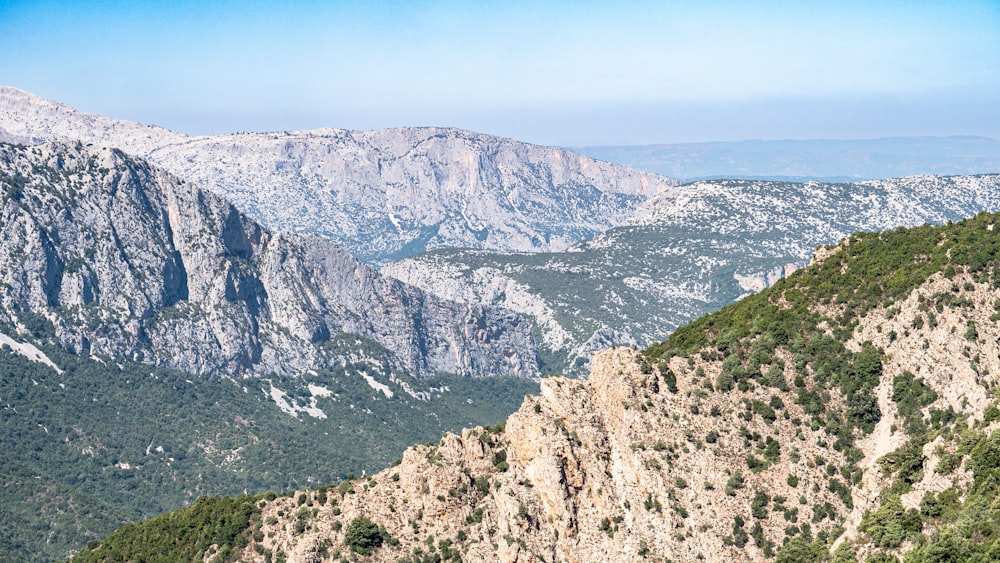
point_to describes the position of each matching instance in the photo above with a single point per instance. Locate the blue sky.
(566, 73)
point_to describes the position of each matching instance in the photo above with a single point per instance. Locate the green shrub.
(363, 536)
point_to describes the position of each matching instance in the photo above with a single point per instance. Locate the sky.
(557, 72)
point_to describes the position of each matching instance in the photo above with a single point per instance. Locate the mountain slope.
(106, 255)
(29, 119)
(684, 253)
(102, 442)
(849, 409)
(381, 194)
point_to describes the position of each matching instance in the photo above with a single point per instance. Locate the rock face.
(760, 281)
(686, 252)
(109, 255)
(381, 194)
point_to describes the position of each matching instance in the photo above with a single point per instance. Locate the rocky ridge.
(684, 253)
(107, 255)
(381, 194)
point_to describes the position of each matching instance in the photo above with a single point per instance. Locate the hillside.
(104, 254)
(852, 408)
(683, 254)
(102, 442)
(380, 194)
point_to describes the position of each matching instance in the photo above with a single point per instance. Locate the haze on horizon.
(562, 73)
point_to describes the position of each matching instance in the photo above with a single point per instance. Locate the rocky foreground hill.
(381, 194)
(106, 255)
(849, 411)
(683, 254)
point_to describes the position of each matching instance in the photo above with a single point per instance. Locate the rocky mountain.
(801, 160)
(381, 194)
(683, 254)
(30, 120)
(106, 255)
(849, 412)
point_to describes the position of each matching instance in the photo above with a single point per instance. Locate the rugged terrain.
(107, 255)
(381, 194)
(849, 410)
(683, 254)
(316, 366)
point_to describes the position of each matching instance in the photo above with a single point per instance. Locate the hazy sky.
(567, 73)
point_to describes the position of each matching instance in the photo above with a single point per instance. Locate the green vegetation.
(363, 535)
(109, 443)
(209, 523)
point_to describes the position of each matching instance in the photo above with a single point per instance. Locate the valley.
(684, 254)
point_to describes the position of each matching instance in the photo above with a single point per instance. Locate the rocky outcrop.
(381, 194)
(109, 255)
(759, 281)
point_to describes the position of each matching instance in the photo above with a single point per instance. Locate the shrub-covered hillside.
(107, 441)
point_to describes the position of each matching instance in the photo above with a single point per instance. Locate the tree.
(363, 535)
(798, 551)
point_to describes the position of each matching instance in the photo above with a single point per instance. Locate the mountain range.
(381, 194)
(683, 254)
(274, 359)
(109, 256)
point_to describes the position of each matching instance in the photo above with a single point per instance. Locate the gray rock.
(381, 194)
(126, 260)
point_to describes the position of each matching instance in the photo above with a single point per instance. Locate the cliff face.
(381, 194)
(726, 450)
(108, 255)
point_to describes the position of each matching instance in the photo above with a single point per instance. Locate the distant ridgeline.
(382, 194)
(850, 412)
(804, 160)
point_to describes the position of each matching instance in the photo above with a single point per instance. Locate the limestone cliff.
(108, 255)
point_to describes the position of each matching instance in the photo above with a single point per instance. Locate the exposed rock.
(760, 281)
(123, 259)
(381, 194)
